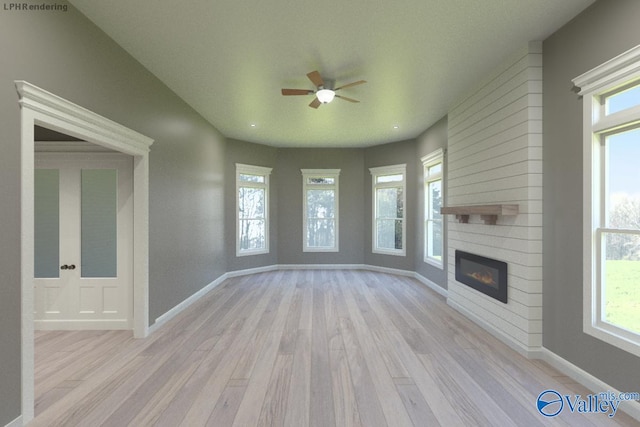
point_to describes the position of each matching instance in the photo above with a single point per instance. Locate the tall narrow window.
(389, 183)
(611, 116)
(433, 240)
(252, 221)
(320, 196)
(618, 230)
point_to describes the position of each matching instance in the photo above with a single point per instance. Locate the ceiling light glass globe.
(325, 95)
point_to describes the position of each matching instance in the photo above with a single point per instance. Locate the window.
(611, 116)
(389, 198)
(252, 221)
(433, 240)
(320, 195)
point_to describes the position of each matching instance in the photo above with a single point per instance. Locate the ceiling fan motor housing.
(328, 84)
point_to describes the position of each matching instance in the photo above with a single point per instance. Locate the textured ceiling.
(228, 59)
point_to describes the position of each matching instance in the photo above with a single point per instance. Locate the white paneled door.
(83, 241)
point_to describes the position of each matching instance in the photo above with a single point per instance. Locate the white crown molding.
(434, 156)
(625, 65)
(105, 132)
(389, 170)
(69, 147)
(320, 172)
(253, 170)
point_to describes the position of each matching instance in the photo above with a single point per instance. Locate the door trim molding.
(39, 107)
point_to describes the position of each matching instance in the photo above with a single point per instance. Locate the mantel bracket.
(488, 213)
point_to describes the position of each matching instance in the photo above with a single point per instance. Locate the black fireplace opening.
(485, 275)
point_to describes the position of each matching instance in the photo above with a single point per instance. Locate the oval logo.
(550, 403)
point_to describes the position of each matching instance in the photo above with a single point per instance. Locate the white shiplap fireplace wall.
(495, 157)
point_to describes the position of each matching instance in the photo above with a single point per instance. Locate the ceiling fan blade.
(346, 99)
(315, 103)
(296, 92)
(359, 82)
(315, 78)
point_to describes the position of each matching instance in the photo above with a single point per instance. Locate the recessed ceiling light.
(396, 127)
(252, 125)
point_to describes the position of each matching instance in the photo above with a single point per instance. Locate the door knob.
(72, 267)
(68, 267)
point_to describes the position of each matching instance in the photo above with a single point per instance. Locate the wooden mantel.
(488, 213)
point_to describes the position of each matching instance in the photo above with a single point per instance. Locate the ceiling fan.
(324, 93)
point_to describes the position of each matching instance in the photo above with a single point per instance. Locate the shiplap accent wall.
(495, 156)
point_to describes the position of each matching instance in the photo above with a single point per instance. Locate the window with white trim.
(320, 198)
(433, 237)
(611, 120)
(389, 199)
(252, 209)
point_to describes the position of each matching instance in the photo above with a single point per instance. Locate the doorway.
(42, 108)
(83, 208)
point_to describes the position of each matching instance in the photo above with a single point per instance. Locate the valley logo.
(550, 403)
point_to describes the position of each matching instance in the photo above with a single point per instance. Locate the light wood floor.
(299, 348)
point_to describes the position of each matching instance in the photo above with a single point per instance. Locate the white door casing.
(39, 107)
(65, 297)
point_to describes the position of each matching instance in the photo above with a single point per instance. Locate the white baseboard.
(632, 408)
(528, 352)
(431, 285)
(186, 303)
(388, 270)
(320, 266)
(423, 280)
(237, 273)
(15, 423)
(248, 271)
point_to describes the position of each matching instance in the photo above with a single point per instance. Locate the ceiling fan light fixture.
(325, 95)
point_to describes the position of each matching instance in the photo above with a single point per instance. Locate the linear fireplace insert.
(486, 275)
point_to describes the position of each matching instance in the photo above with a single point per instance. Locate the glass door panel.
(46, 223)
(99, 209)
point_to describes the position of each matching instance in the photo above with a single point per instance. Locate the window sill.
(434, 263)
(389, 252)
(249, 253)
(320, 250)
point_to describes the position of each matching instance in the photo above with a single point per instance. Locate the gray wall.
(289, 182)
(606, 29)
(66, 54)
(189, 177)
(429, 141)
(256, 155)
(355, 201)
(387, 155)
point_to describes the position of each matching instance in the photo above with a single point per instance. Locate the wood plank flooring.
(300, 348)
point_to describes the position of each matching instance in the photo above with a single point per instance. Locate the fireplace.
(486, 275)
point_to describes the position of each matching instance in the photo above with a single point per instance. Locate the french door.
(83, 235)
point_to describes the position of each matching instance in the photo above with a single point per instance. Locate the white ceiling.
(229, 59)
